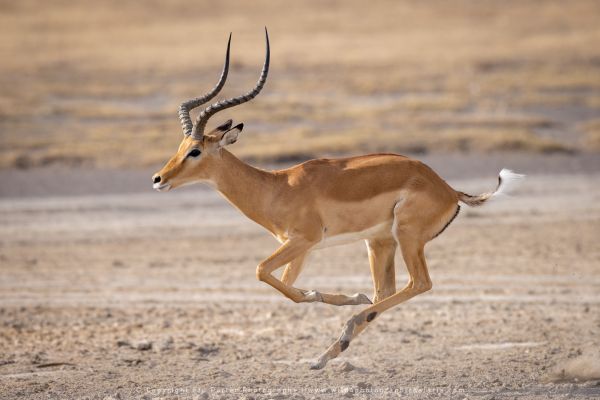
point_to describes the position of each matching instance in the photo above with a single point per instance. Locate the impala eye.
(194, 153)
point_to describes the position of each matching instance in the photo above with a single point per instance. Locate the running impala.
(387, 200)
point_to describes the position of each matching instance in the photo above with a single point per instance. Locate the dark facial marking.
(344, 344)
(371, 316)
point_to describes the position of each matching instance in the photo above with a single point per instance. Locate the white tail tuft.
(507, 181)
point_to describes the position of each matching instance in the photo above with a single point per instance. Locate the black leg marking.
(344, 344)
(371, 316)
(449, 222)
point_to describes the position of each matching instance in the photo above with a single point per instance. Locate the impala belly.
(378, 230)
(346, 222)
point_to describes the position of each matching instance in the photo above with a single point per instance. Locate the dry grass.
(98, 83)
(591, 131)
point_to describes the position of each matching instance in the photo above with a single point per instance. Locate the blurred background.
(111, 290)
(97, 84)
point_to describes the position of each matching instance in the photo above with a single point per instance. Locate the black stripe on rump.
(449, 222)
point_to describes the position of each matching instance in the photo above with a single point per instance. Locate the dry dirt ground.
(148, 295)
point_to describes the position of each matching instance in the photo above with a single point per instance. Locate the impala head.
(198, 152)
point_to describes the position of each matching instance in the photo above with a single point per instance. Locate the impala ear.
(225, 126)
(231, 136)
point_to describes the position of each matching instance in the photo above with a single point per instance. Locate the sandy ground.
(148, 295)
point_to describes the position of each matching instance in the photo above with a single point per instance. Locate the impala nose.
(156, 179)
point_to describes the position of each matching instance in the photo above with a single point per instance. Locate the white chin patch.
(162, 188)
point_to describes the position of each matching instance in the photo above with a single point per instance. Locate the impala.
(387, 200)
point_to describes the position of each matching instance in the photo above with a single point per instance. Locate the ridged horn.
(186, 107)
(198, 130)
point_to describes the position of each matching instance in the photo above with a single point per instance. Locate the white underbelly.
(344, 238)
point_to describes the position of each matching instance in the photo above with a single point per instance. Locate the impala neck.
(248, 188)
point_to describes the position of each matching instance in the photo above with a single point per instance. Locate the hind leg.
(409, 235)
(419, 282)
(381, 259)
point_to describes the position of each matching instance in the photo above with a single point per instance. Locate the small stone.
(346, 367)
(166, 343)
(123, 343)
(143, 345)
(39, 358)
(208, 349)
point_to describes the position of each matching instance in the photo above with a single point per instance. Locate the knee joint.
(261, 272)
(421, 286)
(424, 286)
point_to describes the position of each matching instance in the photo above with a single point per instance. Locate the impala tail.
(507, 180)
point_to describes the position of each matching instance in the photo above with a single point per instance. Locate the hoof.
(359, 298)
(312, 296)
(344, 344)
(319, 364)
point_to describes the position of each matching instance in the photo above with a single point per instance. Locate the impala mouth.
(162, 188)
